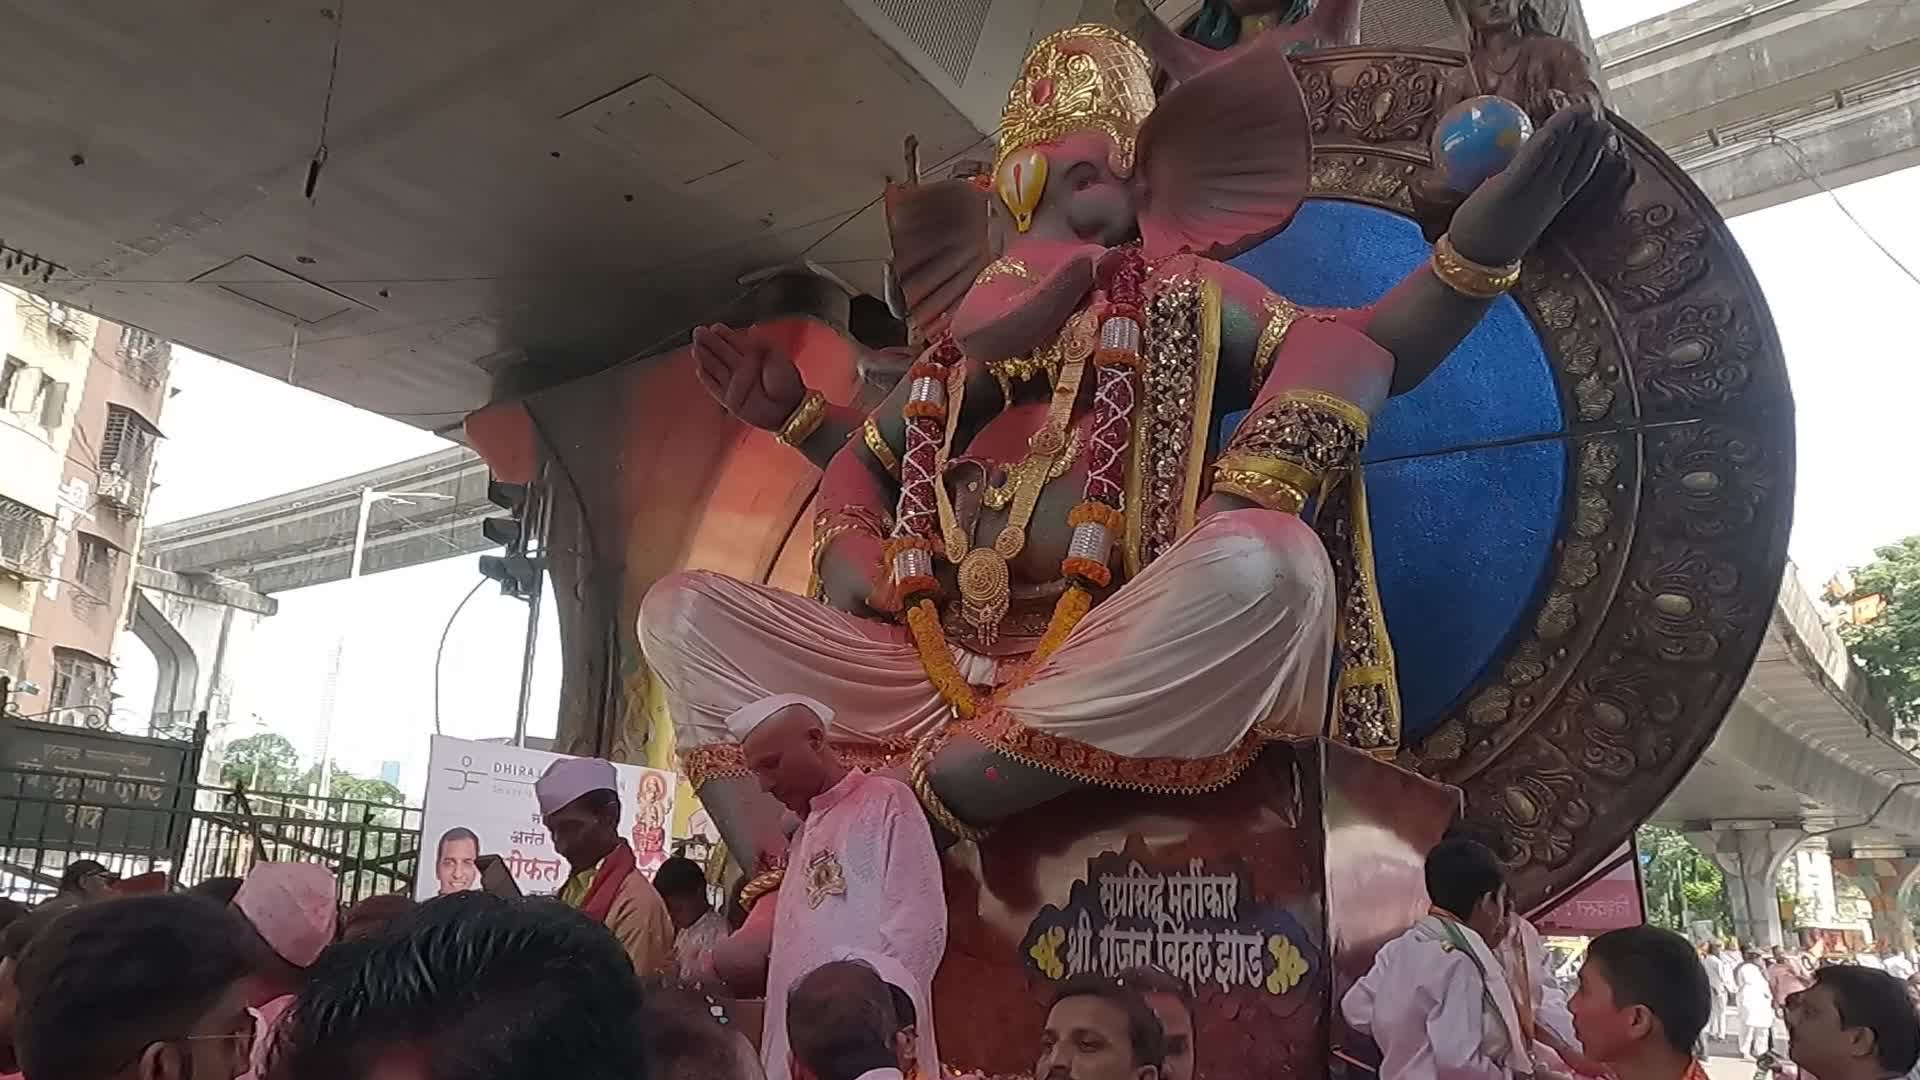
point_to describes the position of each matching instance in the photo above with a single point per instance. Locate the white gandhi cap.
(746, 719)
(571, 777)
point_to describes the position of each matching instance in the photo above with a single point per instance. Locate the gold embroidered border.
(1200, 422)
(998, 728)
(1281, 315)
(726, 761)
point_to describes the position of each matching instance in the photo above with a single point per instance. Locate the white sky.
(235, 436)
(1842, 308)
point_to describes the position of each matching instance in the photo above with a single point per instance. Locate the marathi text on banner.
(1198, 923)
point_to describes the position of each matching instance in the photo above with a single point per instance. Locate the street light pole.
(368, 496)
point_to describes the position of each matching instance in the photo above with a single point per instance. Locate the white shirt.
(1426, 1007)
(1899, 966)
(1719, 976)
(1549, 1002)
(862, 882)
(881, 1074)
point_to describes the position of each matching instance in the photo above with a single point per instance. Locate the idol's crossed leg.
(1228, 632)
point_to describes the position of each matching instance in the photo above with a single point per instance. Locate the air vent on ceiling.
(669, 134)
(946, 30)
(271, 287)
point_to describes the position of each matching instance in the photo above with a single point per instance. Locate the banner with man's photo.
(480, 802)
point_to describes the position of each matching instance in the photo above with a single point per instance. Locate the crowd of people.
(623, 977)
(1463, 995)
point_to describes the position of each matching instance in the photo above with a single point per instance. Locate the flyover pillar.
(1751, 860)
(194, 624)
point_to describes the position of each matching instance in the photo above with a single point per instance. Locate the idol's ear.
(1225, 158)
(940, 244)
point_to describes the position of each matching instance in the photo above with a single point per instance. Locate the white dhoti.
(1168, 685)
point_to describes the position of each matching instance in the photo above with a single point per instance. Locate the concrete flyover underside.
(305, 537)
(1763, 101)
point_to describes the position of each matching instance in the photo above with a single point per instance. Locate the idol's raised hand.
(750, 377)
(1505, 216)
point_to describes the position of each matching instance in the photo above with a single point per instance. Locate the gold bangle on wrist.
(1470, 279)
(922, 784)
(877, 446)
(806, 419)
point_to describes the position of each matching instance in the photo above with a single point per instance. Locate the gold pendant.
(984, 592)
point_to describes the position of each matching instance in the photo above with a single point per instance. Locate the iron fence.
(194, 832)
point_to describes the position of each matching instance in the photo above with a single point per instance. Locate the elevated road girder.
(1764, 101)
(305, 537)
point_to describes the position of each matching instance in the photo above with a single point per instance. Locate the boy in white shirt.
(1437, 1001)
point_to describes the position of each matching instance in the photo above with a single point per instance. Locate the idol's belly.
(1047, 533)
(985, 502)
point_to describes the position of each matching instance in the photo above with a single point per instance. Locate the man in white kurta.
(1436, 1000)
(1539, 999)
(862, 878)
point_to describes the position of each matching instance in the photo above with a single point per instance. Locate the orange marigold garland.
(923, 618)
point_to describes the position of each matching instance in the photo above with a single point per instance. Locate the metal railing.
(194, 832)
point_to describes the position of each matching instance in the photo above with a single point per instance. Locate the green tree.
(366, 789)
(1887, 642)
(1682, 885)
(264, 762)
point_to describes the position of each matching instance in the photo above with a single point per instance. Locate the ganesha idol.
(1039, 569)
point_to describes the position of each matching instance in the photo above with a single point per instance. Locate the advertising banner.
(480, 801)
(1608, 900)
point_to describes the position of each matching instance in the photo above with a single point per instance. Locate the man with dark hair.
(220, 890)
(371, 916)
(841, 1025)
(1100, 1030)
(906, 1033)
(1853, 1023)
(83, 882)
(1642, 1001)
(14, 940)
(455, 859)
(1541, 1004)
(580, 804)
(468, 986)
(146, 988)
(682, 886)
(1172, 1003)
(1437, 1000)
(292, 908)
(687, 1035)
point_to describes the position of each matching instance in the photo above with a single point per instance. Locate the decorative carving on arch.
(1672, 540)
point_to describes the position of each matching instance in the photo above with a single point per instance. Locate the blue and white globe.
(1478, 138)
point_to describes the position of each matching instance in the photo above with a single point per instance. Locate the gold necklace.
(985, 582)
(998, 496)
(1046, 360)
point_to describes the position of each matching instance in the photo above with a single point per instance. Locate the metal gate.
(131, 803)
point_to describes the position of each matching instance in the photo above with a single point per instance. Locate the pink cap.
(571, 777)
(292, 907)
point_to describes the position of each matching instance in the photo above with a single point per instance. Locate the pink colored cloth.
(1234, 624)
(266, 1019)
(293, 907)
(862, 882)
(571, 777)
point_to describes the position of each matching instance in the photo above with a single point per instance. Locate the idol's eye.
(1082, 176)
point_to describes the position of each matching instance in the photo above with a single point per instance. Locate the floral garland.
(1096, 520)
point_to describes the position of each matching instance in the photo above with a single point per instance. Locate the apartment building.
(80, 400)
